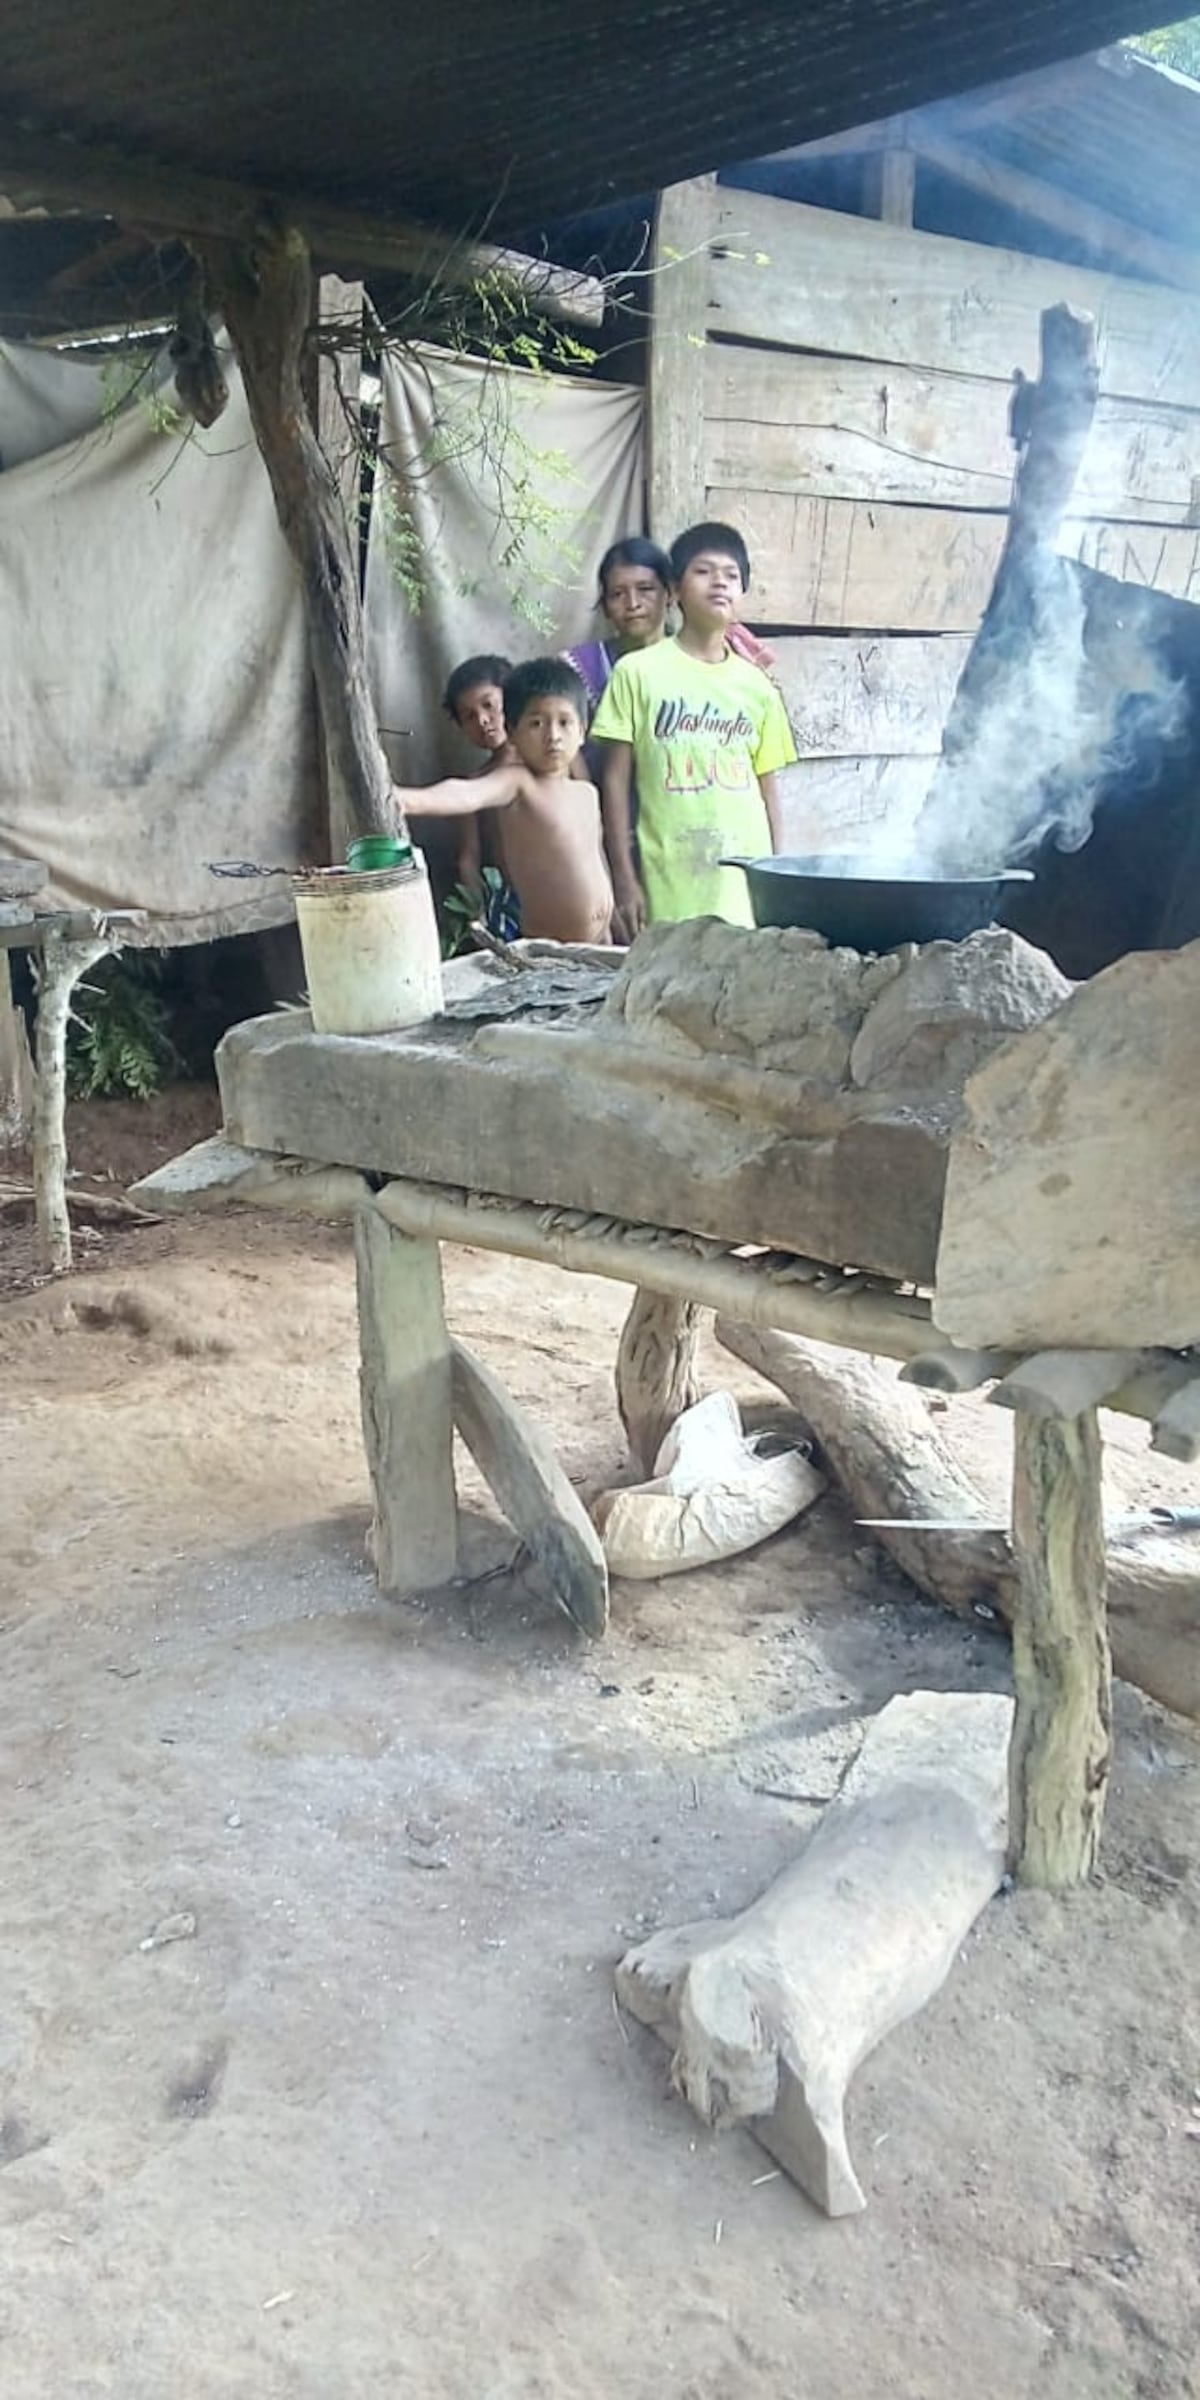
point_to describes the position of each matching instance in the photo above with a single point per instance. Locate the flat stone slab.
(752, 1087)
(19, 876)
(1072, 1214)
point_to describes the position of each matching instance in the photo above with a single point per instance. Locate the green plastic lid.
(374, 850)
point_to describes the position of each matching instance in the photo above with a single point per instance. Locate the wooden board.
(851, 429)
(811, 279)
(833, 803)
(675, 377)
(1159, 558)
(829, 563)
(853, 695)
(845, 562)
(524, 1475)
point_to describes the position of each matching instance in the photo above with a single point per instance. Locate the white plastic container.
(371, 955)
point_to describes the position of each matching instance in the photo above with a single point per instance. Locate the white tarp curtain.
(156, 702)
(473, 456)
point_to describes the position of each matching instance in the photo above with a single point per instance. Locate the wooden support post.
(678, 330)
(16, 1066)
(62, 964)
(522, 1471)
(656, 1371)
(890, 185)
(1062, 1734)
(264, 293)
(407, 1414)
(332, 382)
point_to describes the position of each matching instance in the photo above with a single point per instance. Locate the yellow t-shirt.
(701, 737)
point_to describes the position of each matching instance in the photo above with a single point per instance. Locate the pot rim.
(811, 870)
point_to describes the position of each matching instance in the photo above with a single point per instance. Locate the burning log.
(1024, 668)
(877, 1439)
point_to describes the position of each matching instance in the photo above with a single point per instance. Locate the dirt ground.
(372, 2122)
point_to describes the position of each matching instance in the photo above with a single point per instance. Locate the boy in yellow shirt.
(704, 734)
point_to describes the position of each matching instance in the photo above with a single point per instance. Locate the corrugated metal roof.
(1112, 130)
(1122, 133)
(516, 115)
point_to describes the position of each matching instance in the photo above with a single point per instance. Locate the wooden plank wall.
(839, 388)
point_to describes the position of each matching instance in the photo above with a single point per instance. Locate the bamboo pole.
(759, 1290)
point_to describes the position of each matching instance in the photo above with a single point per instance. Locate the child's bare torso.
(554, 859)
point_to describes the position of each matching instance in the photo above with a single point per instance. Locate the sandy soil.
(374, 2123)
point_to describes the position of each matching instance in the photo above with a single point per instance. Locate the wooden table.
(418, 1384)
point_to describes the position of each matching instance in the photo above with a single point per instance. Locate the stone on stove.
(1072, 1213)
(940, 1017)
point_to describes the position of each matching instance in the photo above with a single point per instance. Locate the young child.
(474, 701)
(549, 822)
(704, 732)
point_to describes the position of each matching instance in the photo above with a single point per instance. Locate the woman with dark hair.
(635, 593)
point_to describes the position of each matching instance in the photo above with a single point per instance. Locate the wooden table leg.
(656, 1370)
(62, 964)
(524, 1475)
(407, 1405)
(1062, 1734)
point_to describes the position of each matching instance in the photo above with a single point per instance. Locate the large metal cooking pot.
(858, 907)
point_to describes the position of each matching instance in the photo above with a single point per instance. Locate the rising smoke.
(1065, 695)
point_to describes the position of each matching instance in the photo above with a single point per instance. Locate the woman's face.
(635, 603)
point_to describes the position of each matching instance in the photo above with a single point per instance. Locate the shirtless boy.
(548, 821)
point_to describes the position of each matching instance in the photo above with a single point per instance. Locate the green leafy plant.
(462, 908)
(527, 506)
(118, 1040)
(1175, 46)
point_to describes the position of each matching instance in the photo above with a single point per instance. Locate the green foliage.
(461, 908)
(1175, 46)
(134, 374)
(522, 489)
(118, 1039)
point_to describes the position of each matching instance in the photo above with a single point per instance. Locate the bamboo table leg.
(656, 1370)
(1062, 1734)
(407, 1405)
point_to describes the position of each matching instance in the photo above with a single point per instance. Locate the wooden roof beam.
(170, 200)
(1079, 220)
